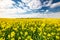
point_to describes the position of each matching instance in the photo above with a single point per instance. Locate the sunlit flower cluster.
(30, 29)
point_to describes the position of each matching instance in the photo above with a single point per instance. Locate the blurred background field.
(29, 29)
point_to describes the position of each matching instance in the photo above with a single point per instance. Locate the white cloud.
(33, 15)
(40, 15)
(11, 11)
(26, 1)
(5, 7)
(6, 3)
(32, 4)
(55, 5)
(7, 12)
(48, 3)
(35, 4)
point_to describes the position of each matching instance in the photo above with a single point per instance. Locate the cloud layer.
(55, 5)
(9, 8)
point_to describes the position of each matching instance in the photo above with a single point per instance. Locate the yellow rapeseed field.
(29, 29)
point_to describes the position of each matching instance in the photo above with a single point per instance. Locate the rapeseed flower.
(12, 34)
(29, 29)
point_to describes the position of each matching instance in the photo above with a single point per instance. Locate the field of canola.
(29, 29)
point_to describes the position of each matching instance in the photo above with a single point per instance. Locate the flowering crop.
(30, 29)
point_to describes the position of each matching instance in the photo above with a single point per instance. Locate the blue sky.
(54, 1)
(29, 7)
(56, 9)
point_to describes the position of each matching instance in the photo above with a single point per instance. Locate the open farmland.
(29, 29)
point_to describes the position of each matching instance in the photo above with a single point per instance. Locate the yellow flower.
(43, 24)
(32, 28)
(25, 23)
(19, 38)
(58, 24)
(40, 29)
(39, 34)
(8, 26)
(26, 33)
(52, 33)
(44, 37)
(28, 37)
(58, 29)
(15, 29)
(3, 29)
(48, 34)
(21, 32)
(12, 39)
(8, 36)
(0, 32)
(58, 33)
(31, 39)
(2, 39)
(48, 28)
(23, 26)
(3, 25)
(57, 37)
(45, 33)
(12, 34)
